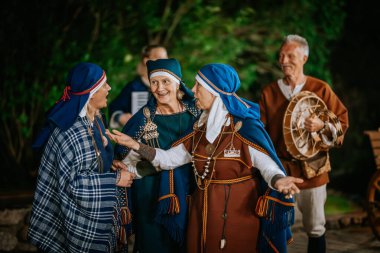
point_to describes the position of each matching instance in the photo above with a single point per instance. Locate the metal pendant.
(210, 149)
(232, 152)
(238, 125)
(150, 129)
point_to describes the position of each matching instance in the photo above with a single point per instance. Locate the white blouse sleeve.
(171, 158)
(267, 167)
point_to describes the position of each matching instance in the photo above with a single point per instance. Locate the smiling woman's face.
(164, 89)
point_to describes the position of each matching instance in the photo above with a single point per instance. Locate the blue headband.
(172, 67)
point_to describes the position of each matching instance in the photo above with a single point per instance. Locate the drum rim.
(288, 134)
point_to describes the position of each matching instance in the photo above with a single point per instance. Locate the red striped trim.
(100, 81)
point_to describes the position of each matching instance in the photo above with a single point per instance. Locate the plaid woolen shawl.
(73, 205)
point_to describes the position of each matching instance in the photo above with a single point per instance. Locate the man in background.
(274, 102)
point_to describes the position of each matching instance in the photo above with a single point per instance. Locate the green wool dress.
(151, 236)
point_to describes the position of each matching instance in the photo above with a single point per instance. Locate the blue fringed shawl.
(172, 206)
(275, 211)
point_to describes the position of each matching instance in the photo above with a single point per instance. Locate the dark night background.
(41, 40)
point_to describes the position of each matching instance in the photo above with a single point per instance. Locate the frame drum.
(300, 143)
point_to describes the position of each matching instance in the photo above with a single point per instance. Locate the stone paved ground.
(353, 239)
(346, 233)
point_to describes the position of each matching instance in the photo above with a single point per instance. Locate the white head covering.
(164, 73)
(83, 112)
(215, 117)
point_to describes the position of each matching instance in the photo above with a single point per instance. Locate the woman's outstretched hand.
(122, 139)
(287, 185)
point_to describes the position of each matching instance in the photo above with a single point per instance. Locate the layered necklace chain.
(200, 177)
(97, 151)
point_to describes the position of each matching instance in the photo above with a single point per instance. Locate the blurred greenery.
(41, 40)
(340, 204)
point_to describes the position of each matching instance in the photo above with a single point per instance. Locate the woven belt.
(205, 202)
(230, 181)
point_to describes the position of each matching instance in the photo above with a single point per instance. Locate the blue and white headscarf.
(174, 223)
(82, 82)
(277, 213)
(169, 68)
(222, 80)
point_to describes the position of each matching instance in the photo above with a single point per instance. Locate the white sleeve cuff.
(171, 158)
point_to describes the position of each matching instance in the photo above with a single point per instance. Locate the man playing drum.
(314, 128)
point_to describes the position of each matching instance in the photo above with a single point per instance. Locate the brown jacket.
(273, 105)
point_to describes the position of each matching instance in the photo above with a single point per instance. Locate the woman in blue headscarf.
(75, 199)
(157, 201)
(243, 201)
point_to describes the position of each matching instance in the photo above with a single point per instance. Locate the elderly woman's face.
(164, 89)
(204, 98)
(99, 99)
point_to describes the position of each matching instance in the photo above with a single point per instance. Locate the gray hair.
(299, 40)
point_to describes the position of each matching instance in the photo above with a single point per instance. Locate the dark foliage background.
(41, 40)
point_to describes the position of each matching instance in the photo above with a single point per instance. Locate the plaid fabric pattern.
(73, 205)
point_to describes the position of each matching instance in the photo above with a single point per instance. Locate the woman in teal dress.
(155, 208)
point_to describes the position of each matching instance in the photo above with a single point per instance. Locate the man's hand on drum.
(313, 124)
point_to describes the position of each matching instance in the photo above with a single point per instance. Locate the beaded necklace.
(198, 177)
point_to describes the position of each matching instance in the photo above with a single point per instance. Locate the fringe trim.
(275, 214)
(123, 235)
(169, 204)
(176, 232)
(126, 216)
(266, 204)
(126, 219)
(271, 244)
